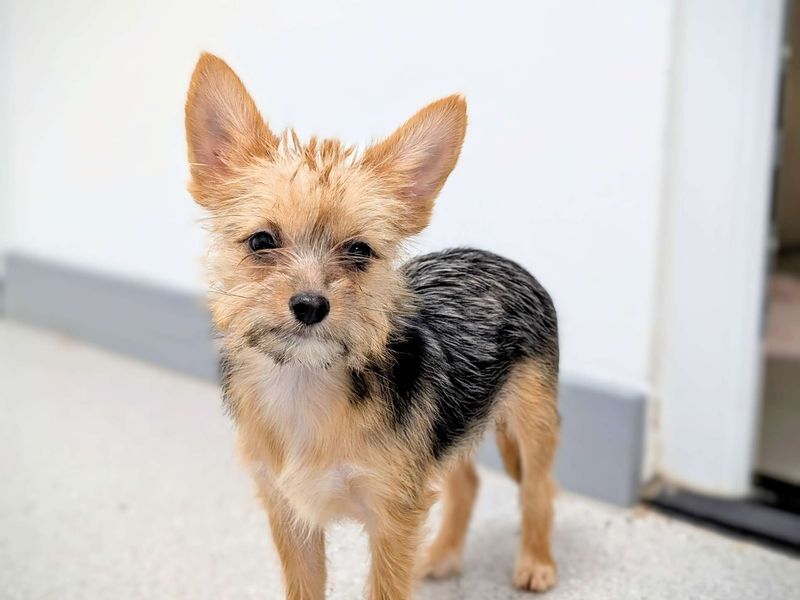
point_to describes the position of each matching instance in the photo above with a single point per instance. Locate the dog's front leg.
(301, 550)
(394, 543)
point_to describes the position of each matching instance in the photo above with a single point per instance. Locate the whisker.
(226, 293)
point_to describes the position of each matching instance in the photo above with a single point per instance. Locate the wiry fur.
(358, 415)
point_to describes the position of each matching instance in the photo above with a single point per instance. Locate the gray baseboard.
(602, 442)
(166, 327)
(602, 428)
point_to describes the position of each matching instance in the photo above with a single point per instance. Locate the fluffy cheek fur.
(250, 293)
(256, 312)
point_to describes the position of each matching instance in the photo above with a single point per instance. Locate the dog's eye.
(262, 240)
(360, 254)
(360, 250)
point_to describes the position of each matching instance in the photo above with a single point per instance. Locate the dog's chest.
(301, 401)
(320, 474)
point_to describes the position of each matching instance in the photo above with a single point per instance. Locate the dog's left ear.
(415, 160)
(224, 129)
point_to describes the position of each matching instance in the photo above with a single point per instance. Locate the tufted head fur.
(315, 200)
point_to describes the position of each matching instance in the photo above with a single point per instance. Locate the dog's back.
(477, 315)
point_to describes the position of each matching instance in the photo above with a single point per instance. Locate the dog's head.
(305, 236)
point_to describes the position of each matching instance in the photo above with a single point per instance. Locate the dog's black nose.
(309, 308)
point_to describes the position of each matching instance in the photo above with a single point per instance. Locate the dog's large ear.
(415, 160)
(223, 126)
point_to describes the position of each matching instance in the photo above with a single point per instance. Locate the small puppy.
(357, 383)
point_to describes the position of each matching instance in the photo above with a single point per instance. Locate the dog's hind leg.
(509, 451)
(529, 428)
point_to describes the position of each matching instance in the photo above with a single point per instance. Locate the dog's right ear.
(223, 127)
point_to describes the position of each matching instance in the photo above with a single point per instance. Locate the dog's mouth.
(305, 333)
(310, 346)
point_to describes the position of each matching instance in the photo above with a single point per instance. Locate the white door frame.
(719, 168)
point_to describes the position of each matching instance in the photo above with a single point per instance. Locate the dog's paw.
(534, 575)
(439, 563)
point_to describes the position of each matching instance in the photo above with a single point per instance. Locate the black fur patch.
(225, 372)
(397, 379)
(407, 351)
(477, 315)
(359, 387)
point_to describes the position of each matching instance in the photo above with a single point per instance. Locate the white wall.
(561, 169)
(5, 208)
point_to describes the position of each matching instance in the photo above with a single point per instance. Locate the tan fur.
(397, 159)
(509, 452)
(315, 457)
(445, 555)
(301, 549)
(529, 423)
(527, 436)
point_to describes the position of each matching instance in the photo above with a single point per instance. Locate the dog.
(358, 384)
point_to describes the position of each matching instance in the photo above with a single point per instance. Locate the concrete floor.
(118, 481)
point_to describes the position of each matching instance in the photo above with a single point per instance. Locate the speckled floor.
(118, 481)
